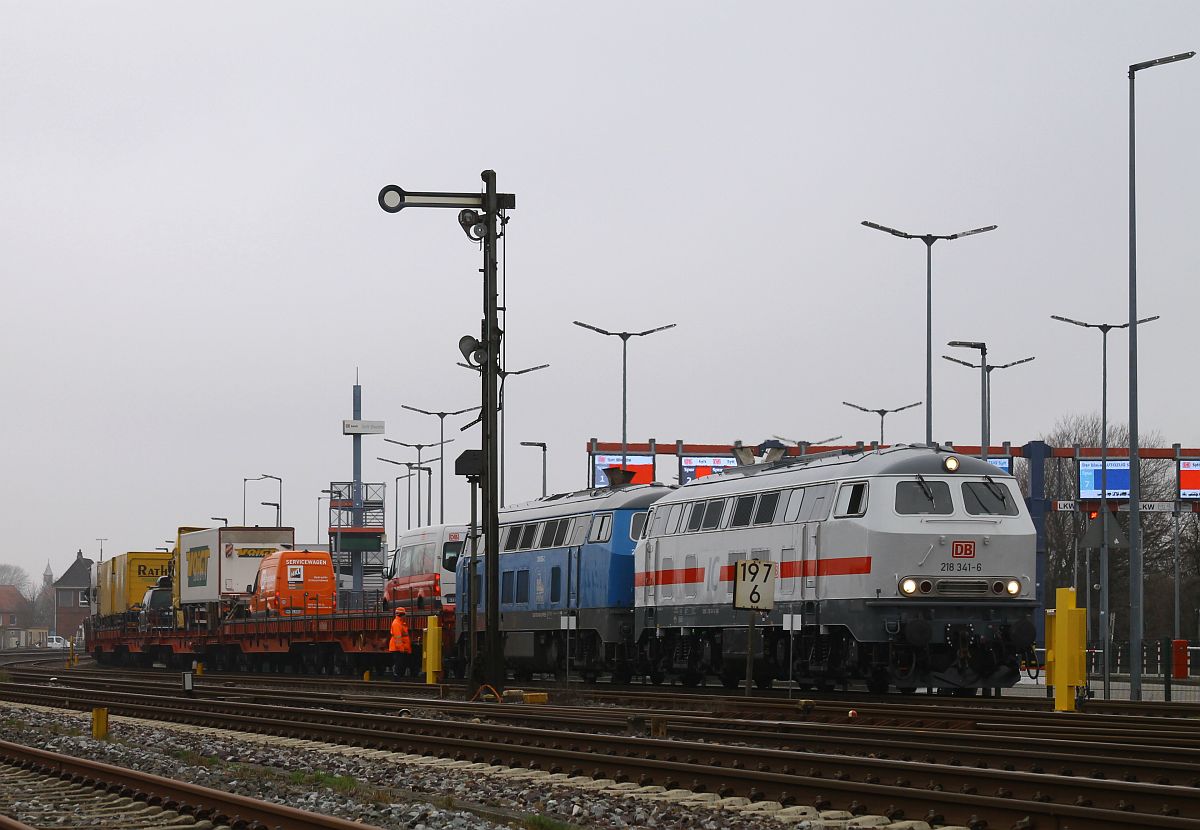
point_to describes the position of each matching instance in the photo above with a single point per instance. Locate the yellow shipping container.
(123, 580)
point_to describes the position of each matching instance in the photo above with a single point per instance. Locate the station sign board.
(362, 427)
(642, 467)
(692, 467)
(1090, 478)
(1003, 462)
(1189, 479)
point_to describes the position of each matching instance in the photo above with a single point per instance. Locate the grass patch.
(338, 783)
(543, 823)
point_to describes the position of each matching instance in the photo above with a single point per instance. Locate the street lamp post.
(419, 448)
(504, 375)
(989, 368)
(804, 445)
(543, 447)
(244, 480)
(1135, 463)
(101, 541)
(928, 239)
(624, 335)
(441, 416)
(428, 487)
(280, 480)
(278, 511)
(327, 497)
(222, 519)
(881, 413)
(985, 443)
(1104, 329)
(411, 465)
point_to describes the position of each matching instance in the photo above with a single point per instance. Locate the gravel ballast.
(394, 790)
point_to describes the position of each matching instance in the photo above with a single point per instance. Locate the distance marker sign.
(754, 585)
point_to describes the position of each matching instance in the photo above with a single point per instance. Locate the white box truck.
(218, 563)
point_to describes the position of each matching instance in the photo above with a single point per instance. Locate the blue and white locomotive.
(566, 581)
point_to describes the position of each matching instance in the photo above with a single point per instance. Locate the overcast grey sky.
(194, 263)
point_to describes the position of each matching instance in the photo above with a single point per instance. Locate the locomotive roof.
(797, 470)
(585, 501)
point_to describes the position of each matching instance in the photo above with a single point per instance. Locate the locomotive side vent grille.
(962, 587)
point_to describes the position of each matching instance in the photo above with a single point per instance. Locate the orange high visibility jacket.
(400, 640)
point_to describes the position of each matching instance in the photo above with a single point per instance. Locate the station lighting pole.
(280, 480)
(881, 413)
(543, 446)
(988, 369)
(481, 216)
(327, 497)
(101, 541)
(441, 416)
(624, 335)
(278, 511)
(244, 480)
(1135, 462)
(221, 519)
(419, 448)
(1104, 329)
(985, 443)
(928, 239)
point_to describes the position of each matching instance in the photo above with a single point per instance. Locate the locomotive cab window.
(696, 517)
(764, 514)
(450, 553)
(712, 514)
(658, 524)
(988, 498)
(673, 518)
(549, 529)
(636, 524)
(527, 535)
(743, 510)
(792, 513)
(506, 586)
(514, 536)
(601, 528)
(851, 500)
(560, 535)
(923, 497)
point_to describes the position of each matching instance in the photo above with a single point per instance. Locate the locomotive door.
(650, 574)
(810, 562)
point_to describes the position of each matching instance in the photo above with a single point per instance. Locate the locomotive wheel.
(657, 676)
(589, 676)
(692, 678)
(730, 680)
(621, 677)
(877, 685)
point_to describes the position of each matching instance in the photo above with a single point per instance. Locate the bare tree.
(1066, 564)
(16, 575)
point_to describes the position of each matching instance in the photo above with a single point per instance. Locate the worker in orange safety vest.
(400, 645)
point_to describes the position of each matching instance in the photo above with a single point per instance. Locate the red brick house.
(71, 592)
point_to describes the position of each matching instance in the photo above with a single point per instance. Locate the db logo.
(963, 550)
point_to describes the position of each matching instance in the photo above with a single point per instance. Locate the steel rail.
(202, 802)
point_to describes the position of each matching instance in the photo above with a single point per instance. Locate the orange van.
(294, 582)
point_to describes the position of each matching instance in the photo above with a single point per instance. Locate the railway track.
(1132, 757)
(885, 786)
(41, 789)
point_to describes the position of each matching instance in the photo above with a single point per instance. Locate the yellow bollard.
(100, 723)
(432, 655)
(367, 675)
(199, 669)
(1066, 633)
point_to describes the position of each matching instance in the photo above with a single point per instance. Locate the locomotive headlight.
(951, 463)
(908, 586)
(1013, 587)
